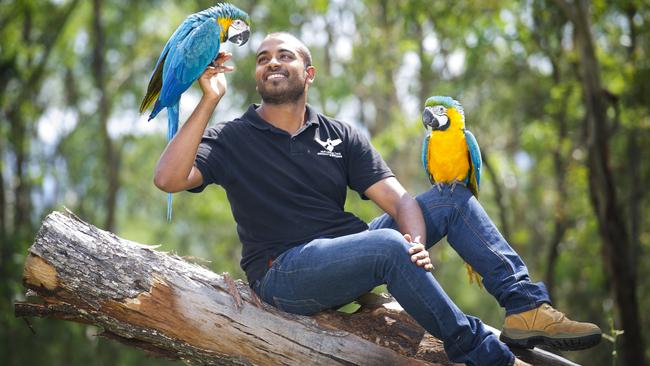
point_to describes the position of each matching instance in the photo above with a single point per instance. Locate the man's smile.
(276, 76)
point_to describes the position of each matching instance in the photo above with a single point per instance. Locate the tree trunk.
(172, 308)
(499, 197)
(3, 202)
(5, 248)
(560, 162)
(607, 206)
(111, 156)
(635, 197)
(426, 75)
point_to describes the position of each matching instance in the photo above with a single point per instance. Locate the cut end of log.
(39, 273)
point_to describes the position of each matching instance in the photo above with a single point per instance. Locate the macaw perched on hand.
(450, 153)
(193, 46)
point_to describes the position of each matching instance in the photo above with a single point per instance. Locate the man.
(286, 169)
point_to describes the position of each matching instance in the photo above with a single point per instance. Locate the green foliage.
(513, 65)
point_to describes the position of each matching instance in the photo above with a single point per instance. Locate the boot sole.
(562, 344)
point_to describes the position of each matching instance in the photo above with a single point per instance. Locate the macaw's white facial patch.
(238, 32)
(435, 117)
(442, 120)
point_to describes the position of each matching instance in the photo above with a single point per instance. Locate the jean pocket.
(302, 307)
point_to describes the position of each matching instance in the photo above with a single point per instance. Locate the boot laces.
(555, 312)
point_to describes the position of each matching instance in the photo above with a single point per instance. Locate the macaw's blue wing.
(156, 80)
(425, 157)
(475, 163)
(187, 61)
(184, 64)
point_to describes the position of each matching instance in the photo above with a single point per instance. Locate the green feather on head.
(447, 102)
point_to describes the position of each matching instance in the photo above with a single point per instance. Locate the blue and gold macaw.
(450, 153)
(193, 46)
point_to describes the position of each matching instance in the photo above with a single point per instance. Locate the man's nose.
(273, 63)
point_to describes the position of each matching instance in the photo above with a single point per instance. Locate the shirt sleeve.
(211, 159)
(365, 166)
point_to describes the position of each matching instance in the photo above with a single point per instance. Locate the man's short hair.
(302, 50)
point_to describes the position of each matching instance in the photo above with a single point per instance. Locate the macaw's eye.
(439, 110)
(238, 24)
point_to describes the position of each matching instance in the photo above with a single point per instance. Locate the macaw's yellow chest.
(448, 157)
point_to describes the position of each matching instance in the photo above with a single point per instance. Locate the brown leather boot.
(545, 325)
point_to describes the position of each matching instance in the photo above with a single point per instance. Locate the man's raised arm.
(175, 170)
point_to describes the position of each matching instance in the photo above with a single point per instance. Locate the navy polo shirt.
(287, 190)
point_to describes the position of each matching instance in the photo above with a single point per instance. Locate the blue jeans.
(329, 272)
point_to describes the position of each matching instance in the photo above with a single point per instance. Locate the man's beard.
(283, 95)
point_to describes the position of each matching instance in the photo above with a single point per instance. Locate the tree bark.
(560, 162)
(5, 249)
(607, 206)
(179, 310)
(499, 197)
(111, 155)
(3, 201)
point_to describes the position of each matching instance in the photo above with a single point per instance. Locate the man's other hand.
(419, 254)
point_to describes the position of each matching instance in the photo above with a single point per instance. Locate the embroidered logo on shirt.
(329, 147)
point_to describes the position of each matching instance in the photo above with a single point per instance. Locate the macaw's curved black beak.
(240, 38)
(428, 120)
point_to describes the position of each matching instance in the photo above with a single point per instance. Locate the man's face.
(280, 72)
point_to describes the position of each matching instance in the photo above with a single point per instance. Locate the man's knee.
(391, 241)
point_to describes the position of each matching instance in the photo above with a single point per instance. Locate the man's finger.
(417, 257)
(221, 67)
(223, 56)
(416, 247)
(210, 71)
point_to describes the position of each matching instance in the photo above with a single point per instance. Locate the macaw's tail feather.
(172, 121)
(157, 107)
(473, 184)
(169, 207)
(172, 127)
(155, 85)
(473, 276)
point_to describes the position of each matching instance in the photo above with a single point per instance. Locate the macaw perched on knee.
(193, 46)
(450, 153)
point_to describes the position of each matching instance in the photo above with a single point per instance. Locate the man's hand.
(213, 81)
(419, 254)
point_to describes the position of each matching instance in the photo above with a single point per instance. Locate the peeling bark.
(179, 310)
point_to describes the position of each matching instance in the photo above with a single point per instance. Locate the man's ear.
(311, 73)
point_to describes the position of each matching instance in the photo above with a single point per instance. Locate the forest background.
(557, 93)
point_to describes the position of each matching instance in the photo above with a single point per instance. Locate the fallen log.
(180, 310)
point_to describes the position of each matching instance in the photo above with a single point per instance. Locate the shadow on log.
(179, 310)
